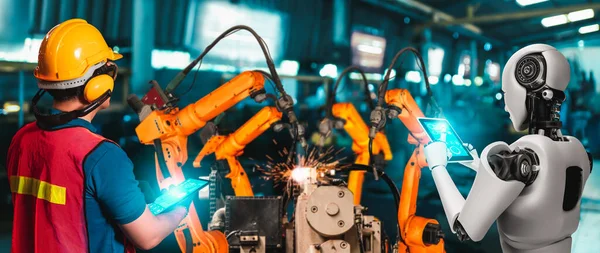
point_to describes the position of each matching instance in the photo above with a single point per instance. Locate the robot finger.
(443, 134)
(448, 154)
(468, 146)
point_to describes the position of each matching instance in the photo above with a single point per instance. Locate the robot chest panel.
(549, 207)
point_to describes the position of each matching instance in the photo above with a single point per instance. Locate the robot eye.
(531, 71)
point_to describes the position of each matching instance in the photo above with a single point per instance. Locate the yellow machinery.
(168, 130)
(231, 146)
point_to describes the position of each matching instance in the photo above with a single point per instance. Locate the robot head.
(537, 68)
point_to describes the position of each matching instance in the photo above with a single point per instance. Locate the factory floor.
(585, 240)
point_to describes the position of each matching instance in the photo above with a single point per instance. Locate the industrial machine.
(327, 214)
(327, 220)
(417, 234)
(345, 115)
(167, 127)
(228, 148)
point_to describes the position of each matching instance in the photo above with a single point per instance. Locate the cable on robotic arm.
(331, 99)
(378, 115)
(370, 102)
(284, 103)
(384, 176)
(420, 63)
(273, 73)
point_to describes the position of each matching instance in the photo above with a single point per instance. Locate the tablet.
(176, 194)
(433, 128)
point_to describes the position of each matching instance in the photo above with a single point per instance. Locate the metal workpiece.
(330, 210)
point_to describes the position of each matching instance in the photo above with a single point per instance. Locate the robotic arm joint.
(520, 164)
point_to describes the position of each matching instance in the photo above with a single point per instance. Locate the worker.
(72, 189)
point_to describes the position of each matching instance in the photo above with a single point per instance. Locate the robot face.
(529, 69)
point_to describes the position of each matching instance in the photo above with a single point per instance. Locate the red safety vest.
(47, 181)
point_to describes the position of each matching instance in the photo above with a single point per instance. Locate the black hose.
(331, 99)
(384, 176)
(371, 159)
(383, 86)
(360, 239)
(391, 185)
(275, 77)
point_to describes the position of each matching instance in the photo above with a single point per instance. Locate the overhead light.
(447, 78)
(498, 96)
(478, 81)
(581, 44)
(589, 28)
(370, 49)
(468, 82)
(433, 80)
(329, 70)
(169, 59)
(580, 15)
(529, 2)
(289, 68)
(487, 46)
(413, 76)
(555, 20)
(11, 107)
(457, 80)
(392, 73)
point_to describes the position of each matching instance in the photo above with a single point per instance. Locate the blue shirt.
(112, 195)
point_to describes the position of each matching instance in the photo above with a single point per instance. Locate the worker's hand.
(437, 153)
(471, 164)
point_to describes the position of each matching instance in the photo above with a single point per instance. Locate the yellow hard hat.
(70, 49)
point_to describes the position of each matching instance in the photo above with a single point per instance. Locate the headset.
(97, 89)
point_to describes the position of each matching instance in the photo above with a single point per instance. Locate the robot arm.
(359, 132)
(473, 165)
(501, 177)
(161, 124)
(167, 128)
(232, 146)
(403, 104)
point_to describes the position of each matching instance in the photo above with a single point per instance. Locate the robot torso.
(547, 211)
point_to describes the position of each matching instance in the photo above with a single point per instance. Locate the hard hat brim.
(116, 56)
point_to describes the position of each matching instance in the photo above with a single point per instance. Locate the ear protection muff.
(102, 80)
(97, 90)
(531, 71)
(97, 86)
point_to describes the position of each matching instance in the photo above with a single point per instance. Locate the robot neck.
(544, 114)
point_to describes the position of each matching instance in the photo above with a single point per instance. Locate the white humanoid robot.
(533, 186)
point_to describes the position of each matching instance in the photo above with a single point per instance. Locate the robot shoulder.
(518, 164)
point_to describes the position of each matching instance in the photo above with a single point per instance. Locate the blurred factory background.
(465, 44)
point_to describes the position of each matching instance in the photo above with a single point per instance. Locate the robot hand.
(474, 165)
(437, 153)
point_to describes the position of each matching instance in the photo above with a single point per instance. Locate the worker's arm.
(148, 230)
(111, 182)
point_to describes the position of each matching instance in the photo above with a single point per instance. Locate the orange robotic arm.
(168, 129)
(231, 146)
(359, 132)
(412, 227)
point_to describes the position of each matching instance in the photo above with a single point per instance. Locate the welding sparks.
(301, 174)
(322, 163)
